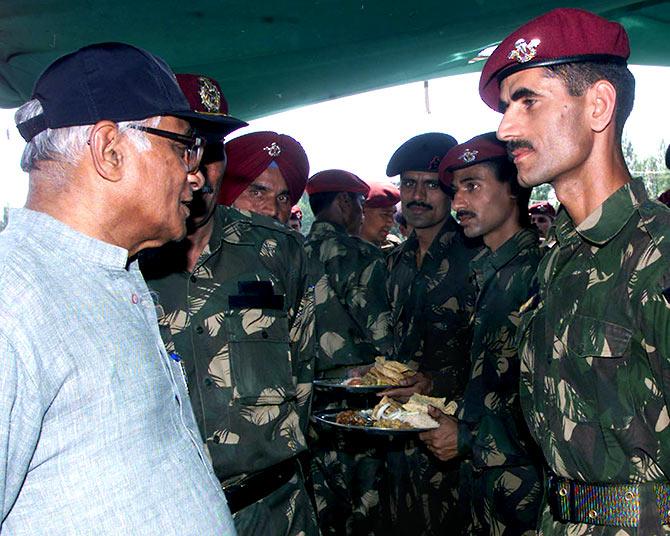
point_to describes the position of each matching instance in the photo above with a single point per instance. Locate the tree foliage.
(651, 169)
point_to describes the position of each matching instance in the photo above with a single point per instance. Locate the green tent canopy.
(270, 56)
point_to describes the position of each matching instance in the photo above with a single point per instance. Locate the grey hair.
(67, 144)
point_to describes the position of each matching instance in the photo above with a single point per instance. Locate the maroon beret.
(296, 212)
(336, 180)
(251, 154)
(542, 208)
(665, 198)
(382, 195)
(564, 35)
(479, 149)
(204, 96)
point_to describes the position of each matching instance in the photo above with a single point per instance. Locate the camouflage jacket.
(352, 310)
(595, 344)
(241, 323)
(491, 426)
(432, 305)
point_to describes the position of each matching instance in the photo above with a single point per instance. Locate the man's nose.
(196, 180)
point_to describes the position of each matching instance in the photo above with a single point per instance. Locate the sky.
(361, 132)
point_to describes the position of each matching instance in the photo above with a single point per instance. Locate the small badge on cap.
(210, 96)
(273, 150)
(468, 156)
(434, 164)
(524, 52)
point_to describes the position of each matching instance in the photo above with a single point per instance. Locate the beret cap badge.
(468, 156)
(273, 150)
(209, 95)
(524, 52)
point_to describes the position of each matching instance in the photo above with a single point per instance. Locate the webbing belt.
(615, 505)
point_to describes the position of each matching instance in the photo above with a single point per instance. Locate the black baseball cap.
(420, 153)
(113, 81)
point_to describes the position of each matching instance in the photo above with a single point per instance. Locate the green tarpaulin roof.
(274, 55)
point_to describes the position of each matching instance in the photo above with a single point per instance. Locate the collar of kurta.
(606, 221)
(73, 244)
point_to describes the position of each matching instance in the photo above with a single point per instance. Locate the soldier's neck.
(425, 237)
(198, 240)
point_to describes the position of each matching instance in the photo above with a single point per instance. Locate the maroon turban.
(251, 154)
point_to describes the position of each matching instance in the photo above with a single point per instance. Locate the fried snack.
(421, 402)
(350, 416)
(383, 372)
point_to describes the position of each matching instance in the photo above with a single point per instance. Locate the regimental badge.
(523, 51)
(468, 156)
(434, 164)
(274, 149)
(210, 96)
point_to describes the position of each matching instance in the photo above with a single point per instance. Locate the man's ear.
(106, 154)
(602, 105)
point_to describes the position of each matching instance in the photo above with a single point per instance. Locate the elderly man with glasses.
(97, 433)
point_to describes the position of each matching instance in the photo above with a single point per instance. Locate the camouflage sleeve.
(360, 282)
(303, 346)
(655, 310)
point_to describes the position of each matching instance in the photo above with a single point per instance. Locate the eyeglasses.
(194, 146)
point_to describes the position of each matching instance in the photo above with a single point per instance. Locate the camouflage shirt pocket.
(594, 381)
(260, 357)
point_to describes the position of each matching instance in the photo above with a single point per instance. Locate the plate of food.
(384, 374)
(389, 416)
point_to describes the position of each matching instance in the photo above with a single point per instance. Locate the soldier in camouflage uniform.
(352, 327)
(594, 336)
(234, 312)
(432, 301)
(266, 174)
(378, 215)
(501, 475)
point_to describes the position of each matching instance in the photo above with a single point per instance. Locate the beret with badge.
(206, 99)
(482, 148)
(296, 212)
(542, 208)
(420, 153)
(336, 180)
(251, 154)
(382, 195)
(564, 35)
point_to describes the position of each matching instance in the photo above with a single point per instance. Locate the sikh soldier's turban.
(251, 154)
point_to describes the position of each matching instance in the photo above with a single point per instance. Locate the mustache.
(466, 213)
(517, 144)
(419, 204)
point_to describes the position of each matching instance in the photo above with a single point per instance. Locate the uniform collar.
(523, 239)
(606, 221)
(322, 228)
(448, 231)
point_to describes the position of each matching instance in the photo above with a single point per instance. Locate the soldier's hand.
(442, 441)
(420, 383)
(358, 372)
